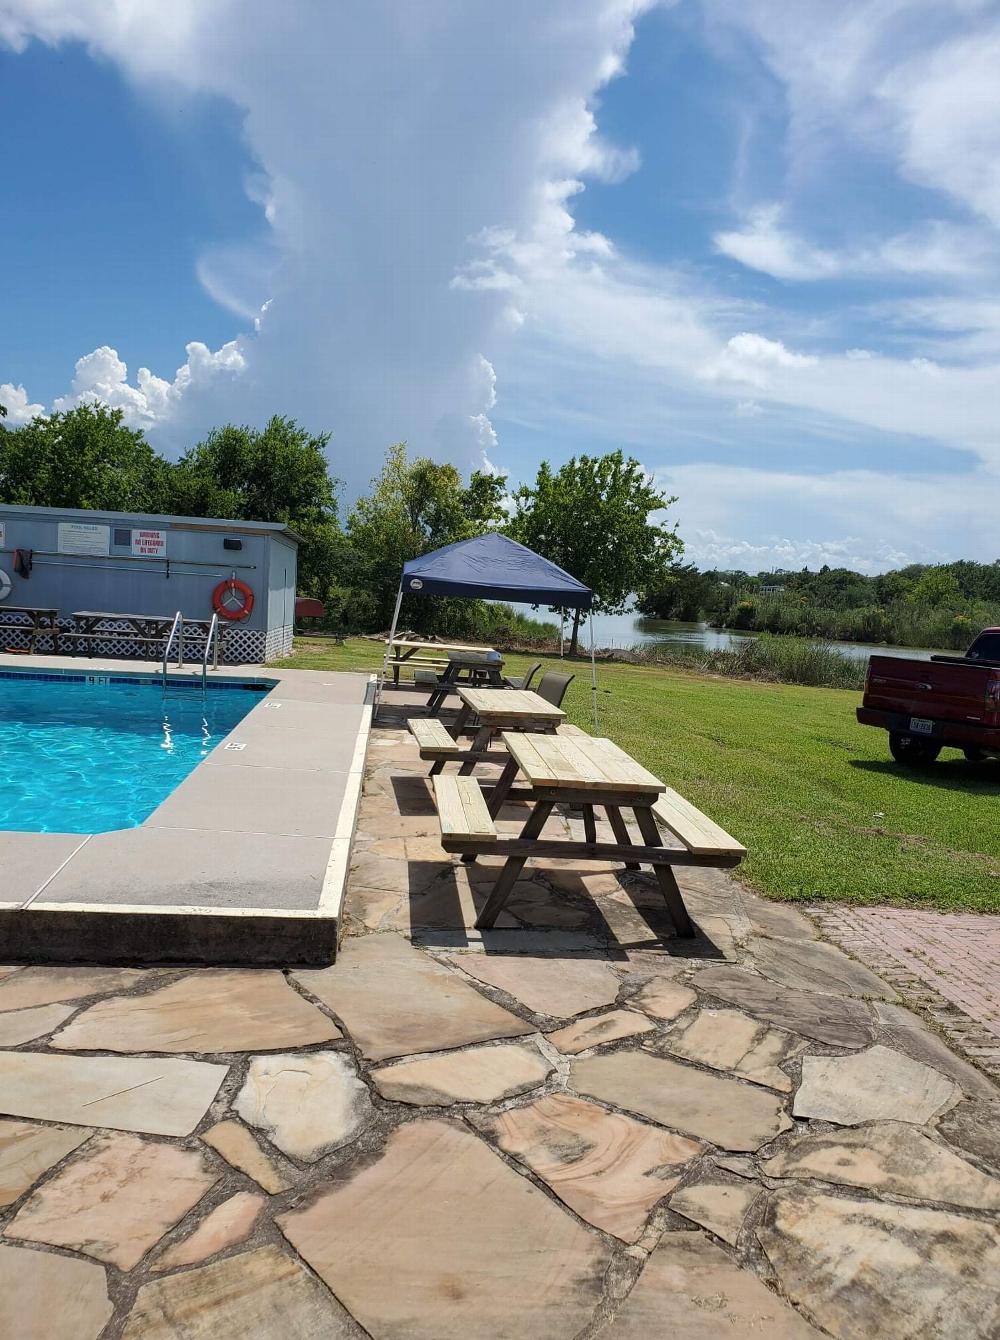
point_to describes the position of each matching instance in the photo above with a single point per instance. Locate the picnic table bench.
(493, 710)
(586, 772)
(34, 620)
(91, 626)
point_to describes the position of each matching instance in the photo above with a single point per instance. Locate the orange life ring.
(232, 589)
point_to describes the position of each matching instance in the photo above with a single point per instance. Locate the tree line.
(920, 605)
(600, 518)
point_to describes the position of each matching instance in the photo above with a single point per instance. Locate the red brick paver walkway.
(948, 963)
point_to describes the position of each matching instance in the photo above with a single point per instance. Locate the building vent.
(232, 544)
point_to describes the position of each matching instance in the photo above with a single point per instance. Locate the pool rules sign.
(149, 544)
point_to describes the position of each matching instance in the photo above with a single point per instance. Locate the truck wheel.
(911, 750)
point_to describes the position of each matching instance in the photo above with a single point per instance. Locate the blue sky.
(754, 245)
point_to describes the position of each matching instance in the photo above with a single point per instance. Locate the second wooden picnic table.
(499, 710)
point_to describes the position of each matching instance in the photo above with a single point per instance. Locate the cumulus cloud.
(751, 358)
(101, 377)
(388, 138)
(19, 410)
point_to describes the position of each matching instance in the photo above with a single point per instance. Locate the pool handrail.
(213, 633)
(174, 627)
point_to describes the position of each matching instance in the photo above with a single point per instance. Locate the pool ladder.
(211, 641)
(176, 630)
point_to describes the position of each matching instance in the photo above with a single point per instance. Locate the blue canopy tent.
(493, 567)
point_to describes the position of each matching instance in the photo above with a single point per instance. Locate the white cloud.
(102, 377)
(932, 250)
(869, 520)
(19, 409)
(752, 358)
(387, 136)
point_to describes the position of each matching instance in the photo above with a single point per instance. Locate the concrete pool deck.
(244, 863)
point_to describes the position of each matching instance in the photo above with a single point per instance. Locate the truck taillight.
(993, 693)
(868, 675)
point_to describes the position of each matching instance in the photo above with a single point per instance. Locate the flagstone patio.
(574, 1125)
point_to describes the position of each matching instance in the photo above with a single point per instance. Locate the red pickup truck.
(947, 701)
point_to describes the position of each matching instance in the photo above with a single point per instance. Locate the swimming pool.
(92, 753)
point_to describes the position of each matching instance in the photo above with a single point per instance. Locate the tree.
(276, 473)
(84, 457)
(592, 517)
(936, 587)
(413, 507)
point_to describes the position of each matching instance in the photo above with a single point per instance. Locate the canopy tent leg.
(562, 629)
(388, 648)
(593, 672)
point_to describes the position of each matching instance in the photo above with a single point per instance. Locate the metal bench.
(462, 813)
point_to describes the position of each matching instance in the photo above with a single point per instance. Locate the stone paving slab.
(307, 1104)
(863, 1268)
(597, 1029)
(238, 1147)
(722, 1111)
(229, 1223)
(457, 1233)
(840, 1021)
(260, 1295)
(719, 1206)
(158, 1097)
(558, 988)
(27, 1150)
(608, 1167)
(26, 1025)
(888, 1156)
(115, 1200)
(48, 1297)
(691, 1290)
(218, 1010)
(874, 1085)
(474, 1075)
(395, 1000)
(47, 986)
(728, 1040)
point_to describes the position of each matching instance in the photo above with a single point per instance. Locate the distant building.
(772, 590)
(135, 563)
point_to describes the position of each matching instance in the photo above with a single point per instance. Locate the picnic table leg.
(502, 789)
(481, 742)
(515, 864)
(664, 875)
(589, 824)
(620, 830)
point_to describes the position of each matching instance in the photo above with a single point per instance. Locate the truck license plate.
(921, 726)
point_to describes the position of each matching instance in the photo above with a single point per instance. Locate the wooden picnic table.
(403, 650)
(588, 772)
(503, 709)
(142, 628)
(465, 668)
(37, 620)
(494, 710)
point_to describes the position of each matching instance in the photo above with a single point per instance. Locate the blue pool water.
(90, 757)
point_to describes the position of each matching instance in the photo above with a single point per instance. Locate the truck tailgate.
(937, 690)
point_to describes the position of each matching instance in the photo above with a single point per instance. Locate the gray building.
(133, 563)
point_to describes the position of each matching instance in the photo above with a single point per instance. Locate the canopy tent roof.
(493, 567)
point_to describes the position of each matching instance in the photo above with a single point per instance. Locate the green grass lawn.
(821, 807)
